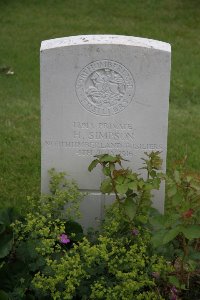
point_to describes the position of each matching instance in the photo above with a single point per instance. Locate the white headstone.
(102, 94)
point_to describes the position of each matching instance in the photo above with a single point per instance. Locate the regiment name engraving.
(90, 138)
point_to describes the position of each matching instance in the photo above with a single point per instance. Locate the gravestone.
(102, 94)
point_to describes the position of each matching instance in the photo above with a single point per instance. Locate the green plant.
(46, 229)
(7, 217)
(137, 254)
(119, 264)
(179, 228)
(132, 192)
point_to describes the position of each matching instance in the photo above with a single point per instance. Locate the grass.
(24, 24)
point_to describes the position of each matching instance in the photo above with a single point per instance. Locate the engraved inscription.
(92, 138)
(105, 87)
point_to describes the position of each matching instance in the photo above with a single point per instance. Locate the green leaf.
(156, 183)
(106, 171)
(26, 250)
(11, 273)
(132, 185)
(4, 216)
(93, 164)
(177, 198)
(172, 218)
(158, 221)
(171, 234)
(2, 227)
(142, 219)
(195, 185)
(195, 255)
(174, 280)
(153, 173)
(132, 176)
(36, 264)
(177, 176)
(191, 232)
(130, 208)
(108, 158)
(106, 186)
(157, 239)
(172, 191)
(74, 227)
(141, 184)
(148, 187)
(193, 265)
(112, 167)
(6, 242)
(122, 188)
(119, 179)
(3, 295)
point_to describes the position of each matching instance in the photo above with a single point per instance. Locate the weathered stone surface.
(102, 94)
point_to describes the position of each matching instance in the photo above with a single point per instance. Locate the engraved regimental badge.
(105, 87)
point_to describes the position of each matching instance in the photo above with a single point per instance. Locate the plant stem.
(186, 253)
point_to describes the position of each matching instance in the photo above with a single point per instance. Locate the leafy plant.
(7, 216)
(177, 234)
(46, 229)
(138, 253)
(119, 264)
(132, 192)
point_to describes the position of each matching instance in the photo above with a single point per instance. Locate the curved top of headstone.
(104, 39)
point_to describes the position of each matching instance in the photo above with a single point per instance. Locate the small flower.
(135, 231)
(173, 291)
(188, 214)
(64, 239)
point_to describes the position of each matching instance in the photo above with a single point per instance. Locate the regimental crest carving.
(105, 87)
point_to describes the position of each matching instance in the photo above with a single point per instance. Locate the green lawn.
(24, 24)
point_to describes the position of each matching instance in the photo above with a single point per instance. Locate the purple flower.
(64, 239)
(174, 290)
(135, 231)
(173, 293)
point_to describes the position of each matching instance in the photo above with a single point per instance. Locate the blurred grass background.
(24, 24)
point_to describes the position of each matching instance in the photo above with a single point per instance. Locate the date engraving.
(92, 138)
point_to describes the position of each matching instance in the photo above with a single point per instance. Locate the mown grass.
(24, 24)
